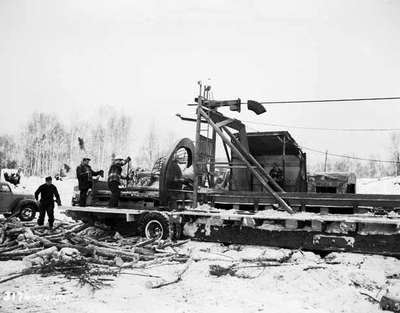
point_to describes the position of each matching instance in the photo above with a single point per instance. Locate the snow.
(384, 185)
(286, 288)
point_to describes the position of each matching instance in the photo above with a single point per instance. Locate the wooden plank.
(100, 210)
(276, 215)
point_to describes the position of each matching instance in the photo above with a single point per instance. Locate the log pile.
(76, 249)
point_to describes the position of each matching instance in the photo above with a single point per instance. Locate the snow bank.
(384, 185)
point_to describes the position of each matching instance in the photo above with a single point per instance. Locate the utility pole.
(326, 159)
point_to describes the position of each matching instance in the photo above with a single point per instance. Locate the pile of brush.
(79, 250)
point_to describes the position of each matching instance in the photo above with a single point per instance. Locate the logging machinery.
(193, 193)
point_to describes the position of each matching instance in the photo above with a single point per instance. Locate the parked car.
(23, 206)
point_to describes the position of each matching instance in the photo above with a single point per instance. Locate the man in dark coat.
(85, 174)
(114, 180)
(47, 193)
(277, 174)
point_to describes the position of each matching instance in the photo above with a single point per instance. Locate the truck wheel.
(27, 213)
(154, 225)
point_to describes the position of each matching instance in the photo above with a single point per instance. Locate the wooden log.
(145, 242)
(77, 229)
(10, 248)
(180, 243)
(113, 252)
(9, 243)
(84, 250)
(143, 251)
(89, 240)
(44, 254)
(16, 231)
(54, 237)
(20, 252)
(45, 242)
(31, 245)
(2, 235)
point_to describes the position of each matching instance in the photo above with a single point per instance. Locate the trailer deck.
(364, 233)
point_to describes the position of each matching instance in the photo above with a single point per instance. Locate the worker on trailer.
(114, 179)
(178, 179)
(85, 174)
(47, 193)
(277, 174)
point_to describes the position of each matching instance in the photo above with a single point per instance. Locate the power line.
(326, 129)
(343, 155)
(331, 100)
(348, 156)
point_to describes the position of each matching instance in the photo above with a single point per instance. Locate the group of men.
(85, 175)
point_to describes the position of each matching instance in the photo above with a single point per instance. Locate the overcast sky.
(145, 57)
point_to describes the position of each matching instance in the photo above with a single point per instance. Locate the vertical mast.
(196, 148)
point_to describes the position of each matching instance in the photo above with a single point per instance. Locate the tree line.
(47, 145)
(365, 169)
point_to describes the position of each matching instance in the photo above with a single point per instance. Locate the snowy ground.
(288, 288)
(384, 185)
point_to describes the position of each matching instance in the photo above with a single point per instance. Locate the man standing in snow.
(114, 179)
(47, 193)
(85, 174)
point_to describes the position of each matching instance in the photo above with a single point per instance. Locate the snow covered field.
(306, 284)
(384, 185)
(337, 283)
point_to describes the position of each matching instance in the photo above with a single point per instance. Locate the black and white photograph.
(191, 156)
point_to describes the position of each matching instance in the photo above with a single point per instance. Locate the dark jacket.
(85, 174)
(115, 173)
(47, 194)
(277, 175)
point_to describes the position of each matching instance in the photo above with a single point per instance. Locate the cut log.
(16, 231)
(145, 242)
(77, 229)
(23, 252)
(112, 253)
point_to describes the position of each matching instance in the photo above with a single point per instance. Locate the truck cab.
(24, 206)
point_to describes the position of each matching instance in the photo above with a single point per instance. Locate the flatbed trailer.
(252, 208)
(362, 233)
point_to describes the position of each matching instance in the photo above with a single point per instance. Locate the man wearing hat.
(114, 179)
(85, 174)
(47, 193)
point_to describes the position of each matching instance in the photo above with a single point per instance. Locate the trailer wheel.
(154, 225)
